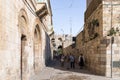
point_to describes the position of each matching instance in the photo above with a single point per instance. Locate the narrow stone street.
(83, 33)
(55, 72)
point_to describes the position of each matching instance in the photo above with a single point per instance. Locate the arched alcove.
(23, 31)
(37, 47)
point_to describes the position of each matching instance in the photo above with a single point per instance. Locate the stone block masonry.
(94, 42)
(23, 40)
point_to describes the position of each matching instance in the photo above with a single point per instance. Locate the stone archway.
(23, 31)
(37, 48)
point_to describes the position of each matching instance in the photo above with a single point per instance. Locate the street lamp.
(62, 40)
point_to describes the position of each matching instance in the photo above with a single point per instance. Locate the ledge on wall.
(41, 10)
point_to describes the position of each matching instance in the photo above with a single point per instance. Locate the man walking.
(81, 61)
(72, 61)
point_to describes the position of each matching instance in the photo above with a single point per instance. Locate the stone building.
(25, 29)
(88, 2)
(100, 39)
(65, 41)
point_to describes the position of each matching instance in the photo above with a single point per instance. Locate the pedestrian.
(72, 61)
(55, 56)
(67, 61)
(62, 60)
(81, 61)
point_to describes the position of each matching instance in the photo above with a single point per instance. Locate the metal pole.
(111, 39)
(63, 32)
(62, 40)
(62, 46)
(111, 58)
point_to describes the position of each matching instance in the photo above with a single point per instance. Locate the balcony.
(43, 2)
(41, 8)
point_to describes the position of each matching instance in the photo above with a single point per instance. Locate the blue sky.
(67, 14)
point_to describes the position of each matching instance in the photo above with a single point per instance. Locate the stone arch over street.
(37, 48)
(23, 31)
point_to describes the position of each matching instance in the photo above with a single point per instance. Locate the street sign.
(116, 64)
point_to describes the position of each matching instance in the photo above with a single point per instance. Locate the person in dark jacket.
(72, 61)
(81, 61)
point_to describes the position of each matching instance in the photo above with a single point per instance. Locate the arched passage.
(37, 48)
(23, 31)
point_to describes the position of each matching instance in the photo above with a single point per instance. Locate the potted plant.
(111, 32)
(95, 22)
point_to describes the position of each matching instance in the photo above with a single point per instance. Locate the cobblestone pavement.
(58, 73)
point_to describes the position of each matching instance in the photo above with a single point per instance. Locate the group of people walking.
(70, 61)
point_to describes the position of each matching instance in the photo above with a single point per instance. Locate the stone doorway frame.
(37, 48)
(23, 32)
(23, 40)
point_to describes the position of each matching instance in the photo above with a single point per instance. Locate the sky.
(68, 16)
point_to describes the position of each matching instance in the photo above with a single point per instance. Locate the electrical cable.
(70, 6)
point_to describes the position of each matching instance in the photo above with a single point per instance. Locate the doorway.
(37, 49)
(23, 61)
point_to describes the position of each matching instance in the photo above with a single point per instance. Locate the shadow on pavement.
(56, 65)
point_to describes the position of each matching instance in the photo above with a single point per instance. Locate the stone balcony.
(43, 8)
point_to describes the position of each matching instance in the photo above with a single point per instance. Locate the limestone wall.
(88, 2)
(111, 17)
(91, 8)
(95, 43)
(19, 56)
(90, 48)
